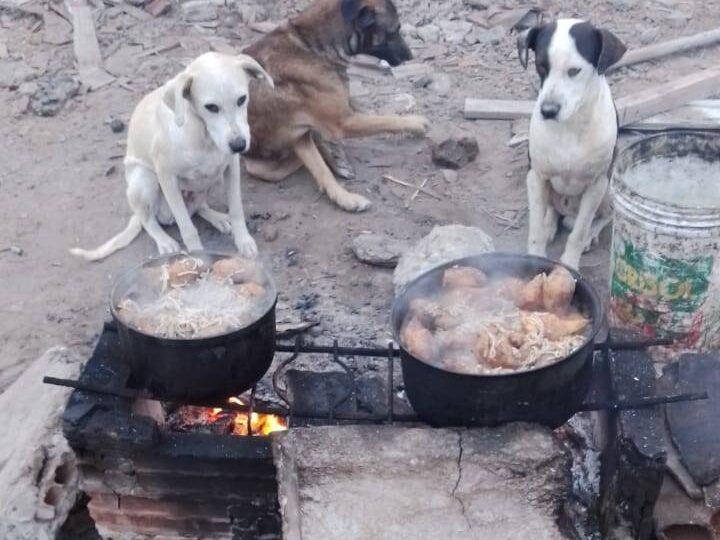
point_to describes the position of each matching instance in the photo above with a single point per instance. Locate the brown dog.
(308, 57)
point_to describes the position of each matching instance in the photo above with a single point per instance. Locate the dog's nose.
(549, 110)
(238, 144)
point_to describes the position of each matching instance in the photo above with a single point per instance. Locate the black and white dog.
(573, 132)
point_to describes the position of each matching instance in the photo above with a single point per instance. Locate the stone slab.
(390, 482)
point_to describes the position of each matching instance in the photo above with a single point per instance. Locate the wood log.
(666, 48)
(38, 472)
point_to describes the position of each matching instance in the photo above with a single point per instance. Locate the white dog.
(183, 139)
(573, 132)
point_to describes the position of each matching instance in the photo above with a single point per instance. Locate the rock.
(270, 233)
(158, 7)
(476, 4)
(478, 19)
(423, 82)
(430, 33)
(117, 125)
(441, 83)
(506, 483)
(649, 35)
(27, 88)
(454, 152)
(622, 5)
(443, 244)
(378, 250)
(13, 74)
(493, 35)
(449, 175)
(199, 11)
(400, 103)
(54, 89)
(454, 31)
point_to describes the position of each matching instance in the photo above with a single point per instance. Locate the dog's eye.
(572, 72)
(241, 101)
(212, 108)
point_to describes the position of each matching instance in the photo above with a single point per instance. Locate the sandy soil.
(61, 177)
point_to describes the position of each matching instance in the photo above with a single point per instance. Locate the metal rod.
(381, 352)
(98, 388)
(391, 383)
(642, 402)
(250, 412)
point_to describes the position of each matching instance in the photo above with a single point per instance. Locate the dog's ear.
(253, 68)
(611, 50)
(177, 96)
(354, 12)
(526, 40)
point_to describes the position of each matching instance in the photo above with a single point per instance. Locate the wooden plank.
(85, 44)
(658, 99)
(497, 109)
(696, 115)
(666, 48)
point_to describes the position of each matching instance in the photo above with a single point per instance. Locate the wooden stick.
(412, 186)
(667, 96)
(85, 44)
(666, 48)
(497, 109)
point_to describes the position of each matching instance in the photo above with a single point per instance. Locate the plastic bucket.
(665, 258)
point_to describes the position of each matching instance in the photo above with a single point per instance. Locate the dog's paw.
(246, 246)
(221, 222)
(166, 246)
(417, 125)
(352, 202)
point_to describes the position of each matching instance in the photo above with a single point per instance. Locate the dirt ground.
(62, 184)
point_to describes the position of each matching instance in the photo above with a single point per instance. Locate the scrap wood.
(423, 189)
(666, 48)
(85, 44)
(633, 110)
(665, 97)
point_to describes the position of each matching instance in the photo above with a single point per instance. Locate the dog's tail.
(120, 241)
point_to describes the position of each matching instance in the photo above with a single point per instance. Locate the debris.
(423, 82)
(407, 184)
(85, 44)
(27, 88)
(378, 250)
(666, 48)
(400, 103)
(54, 89)
(13, 74)
(264, 27)
(410, 70)
(162, 50)
(117, 125)
(270, 233)
(57, 30)
(449, 175)
(454, 152)
(441, 83)
(696, 115)
(196, 11)
(430, 33)
(454, 31)
(516, 18)
(664, 97)
(290, 329)
(15, 250)
(291, 256)
(158, 7)
(476, 4)
(478, 19)
(134, 12)
(520, 129)
(443, 244)
(497, 109)
(496, 34)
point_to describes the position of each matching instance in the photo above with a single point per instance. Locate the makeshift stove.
(176, 471)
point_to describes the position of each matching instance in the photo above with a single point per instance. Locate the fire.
(262, 424)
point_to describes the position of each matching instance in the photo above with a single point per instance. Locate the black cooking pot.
(194, 370)
(548, 395)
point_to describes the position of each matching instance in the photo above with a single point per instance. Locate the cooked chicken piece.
(457, 338)
(250, 290)
(495, 353)
(238, 270)
(463, 276)
(426, 310)
(460, 299)
(418, 340)
(185, 271)
(559, 290)
(509, 288)
(531, 295)
(559, 327)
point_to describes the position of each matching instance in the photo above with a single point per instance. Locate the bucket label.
(662, 296)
